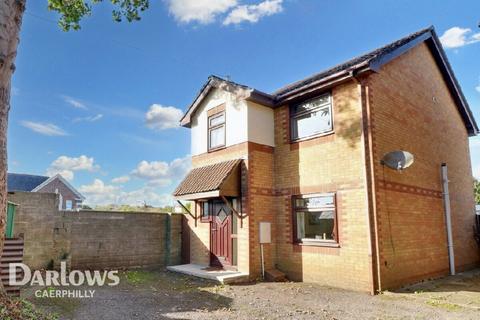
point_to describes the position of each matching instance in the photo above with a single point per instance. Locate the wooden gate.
(12, 253)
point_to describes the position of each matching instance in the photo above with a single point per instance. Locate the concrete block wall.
(35, 219)
(123, 240)
(94, 239)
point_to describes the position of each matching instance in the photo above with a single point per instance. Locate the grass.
(20, 309)
(444, 305)
(138, 277)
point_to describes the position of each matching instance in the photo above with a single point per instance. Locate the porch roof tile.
(208, 178)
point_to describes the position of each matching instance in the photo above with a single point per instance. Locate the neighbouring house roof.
(23, 182)
(369, 62)
(209, 181)
(64, 181)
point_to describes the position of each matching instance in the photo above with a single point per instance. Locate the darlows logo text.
(60, 283)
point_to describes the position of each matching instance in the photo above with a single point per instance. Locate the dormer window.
(311, 118)
(216, 131)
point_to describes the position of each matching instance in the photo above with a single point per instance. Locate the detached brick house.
(308, 160)
(69, 197)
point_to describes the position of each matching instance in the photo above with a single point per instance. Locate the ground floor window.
(314, 217)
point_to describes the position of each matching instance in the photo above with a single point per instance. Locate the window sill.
(312, 137)
(216, 149)
(329, 244)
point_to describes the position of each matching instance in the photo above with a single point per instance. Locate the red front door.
(220, 235)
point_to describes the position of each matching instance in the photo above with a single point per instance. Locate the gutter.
(331, 80)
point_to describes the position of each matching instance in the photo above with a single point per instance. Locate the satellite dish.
(397, 160)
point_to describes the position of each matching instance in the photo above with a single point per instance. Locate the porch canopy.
(216, 180)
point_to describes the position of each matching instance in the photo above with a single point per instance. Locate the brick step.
(13, 241)
(12, 291)
(274, 275)
(13, 247)
(15, 259)
(7, 253)
(5, 277)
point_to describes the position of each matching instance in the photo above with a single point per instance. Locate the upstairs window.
(68, 205)
(216, 131)
(315, 218)
(311, 118)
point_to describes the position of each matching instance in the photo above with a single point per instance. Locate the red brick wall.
(66, 193)
(413, 110)
(332, 163)
(200, 234)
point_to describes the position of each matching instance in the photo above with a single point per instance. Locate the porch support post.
(188, 211)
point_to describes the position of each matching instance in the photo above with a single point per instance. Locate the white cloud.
(99, 193)
(74, 102)
(145, 195)
(253, 13)
(89, 119)
(121, 179)
(97, 187)
(458, 37)
(201, 11)
(159, 183)
(15, 91)
(474, 142)
(47, 129)
(476, 172)
(160, 171)
(67, 165)
(159, 117)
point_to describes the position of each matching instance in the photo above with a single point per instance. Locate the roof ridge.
(28, 174)
(367, 56)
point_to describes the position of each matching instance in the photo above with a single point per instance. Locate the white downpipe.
(263, 262)
(448, 219)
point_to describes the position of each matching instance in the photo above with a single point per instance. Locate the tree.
(476, 190)
(11, 12)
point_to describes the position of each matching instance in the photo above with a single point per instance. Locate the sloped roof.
(208, 178)
(23, 182)
(216, 82)
(371, 61)
(353, 63)
(61, 179)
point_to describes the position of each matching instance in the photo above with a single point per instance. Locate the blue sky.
(99, 105)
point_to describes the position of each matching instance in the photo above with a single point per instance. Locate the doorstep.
(205, 272)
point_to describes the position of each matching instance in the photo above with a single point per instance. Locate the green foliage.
(72, 11)
(476, 189)
(130, 208)
(19, 309)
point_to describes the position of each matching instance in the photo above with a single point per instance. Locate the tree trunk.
(11, 12)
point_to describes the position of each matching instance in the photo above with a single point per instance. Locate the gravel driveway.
(165, 295)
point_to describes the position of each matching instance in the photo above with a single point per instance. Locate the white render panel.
(261, 124)
(236, 120)
(245, 121)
